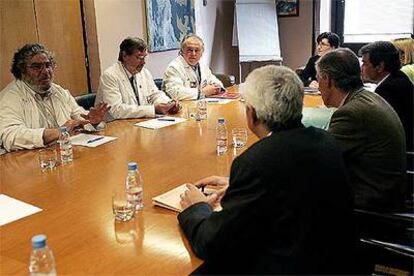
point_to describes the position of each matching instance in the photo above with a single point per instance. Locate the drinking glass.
(47, 159)
(192, 113)
(122, 209)
(239, 137)
(202, 109)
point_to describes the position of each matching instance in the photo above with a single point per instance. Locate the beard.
(39, 89)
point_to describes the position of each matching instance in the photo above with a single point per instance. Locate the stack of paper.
(160, 122)
(89, 140)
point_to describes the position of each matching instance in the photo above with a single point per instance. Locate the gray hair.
(129, 45)
(341, 65)
(183, 43)
(24, 54)
(276, 93)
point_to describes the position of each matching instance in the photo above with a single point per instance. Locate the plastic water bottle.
(221, 136)
(42, 261)
(65, 145)
(134, 186)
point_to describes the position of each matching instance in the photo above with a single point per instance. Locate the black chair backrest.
(227, 80)
(86, 101)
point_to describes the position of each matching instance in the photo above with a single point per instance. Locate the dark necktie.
(131, 79)
(196, 69)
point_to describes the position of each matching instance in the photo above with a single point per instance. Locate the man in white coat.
(129, 88)
(33, 108)
(187, 79)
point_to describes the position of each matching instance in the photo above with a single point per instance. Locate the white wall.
(296, 36)
(117, 19)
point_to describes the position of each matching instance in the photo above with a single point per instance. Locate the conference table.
(76, 198)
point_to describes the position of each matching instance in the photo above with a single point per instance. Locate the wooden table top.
(76, 198)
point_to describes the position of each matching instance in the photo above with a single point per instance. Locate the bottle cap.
(132, 166)
(39, 241)
(63, 129)
(221, 120)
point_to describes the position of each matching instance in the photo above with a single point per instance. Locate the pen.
(166, 119)
(212, 101)
(95, 139)
(202, 189)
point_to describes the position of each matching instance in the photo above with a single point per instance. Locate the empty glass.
(239, 137)
(47, 159)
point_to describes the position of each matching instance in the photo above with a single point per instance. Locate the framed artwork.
(168, 21)
(287, 8)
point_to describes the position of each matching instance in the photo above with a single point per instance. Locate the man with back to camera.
(129, 88)
(284, 193)
(32, 107)
(381, 64)
(185, 77)
(368, 131)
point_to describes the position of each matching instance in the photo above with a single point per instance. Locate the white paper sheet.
(12, 209)
(89, 140)
(218, 101)
(161, 122)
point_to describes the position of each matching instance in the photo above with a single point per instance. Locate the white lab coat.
(180, 80)
(21, 121)
(115, 89)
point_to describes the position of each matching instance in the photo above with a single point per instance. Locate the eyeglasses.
(324, 44)
(38, 67)
(190, 50)
(140, 58)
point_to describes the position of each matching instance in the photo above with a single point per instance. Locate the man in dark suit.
(287, 208)
(381, 64)
(368, 130)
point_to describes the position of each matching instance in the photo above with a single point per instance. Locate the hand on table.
(217, 185)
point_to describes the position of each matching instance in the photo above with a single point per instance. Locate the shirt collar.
(129, 75)
(381, 81)
(36, 95)
(343, 100)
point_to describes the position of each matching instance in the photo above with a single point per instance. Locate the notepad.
(90, 140)
(12, 209)
(171, 199)
(160, 122)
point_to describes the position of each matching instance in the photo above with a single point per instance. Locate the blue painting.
(168, 21)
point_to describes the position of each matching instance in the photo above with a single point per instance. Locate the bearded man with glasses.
(33, 108)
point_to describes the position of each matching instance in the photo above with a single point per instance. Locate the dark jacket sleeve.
(212, 232)
(309, 73)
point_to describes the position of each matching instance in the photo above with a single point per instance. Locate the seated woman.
(327, 42)
(406, 48)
